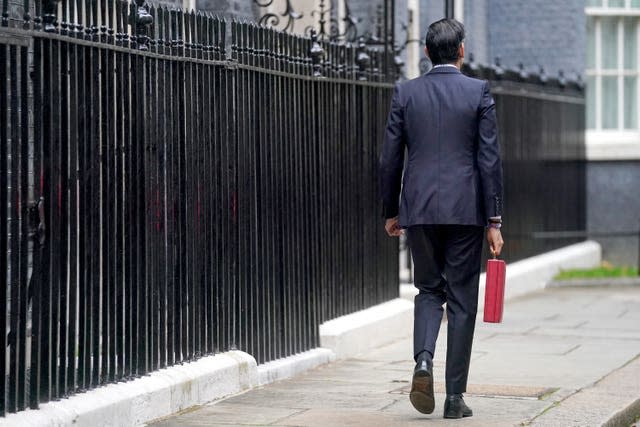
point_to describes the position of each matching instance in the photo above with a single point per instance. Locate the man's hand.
(393, 227)
(494, 237)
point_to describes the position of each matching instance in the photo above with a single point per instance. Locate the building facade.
(613, 134)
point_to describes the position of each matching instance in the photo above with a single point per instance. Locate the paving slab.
(226, 412)
(606, 402)
(563, 356)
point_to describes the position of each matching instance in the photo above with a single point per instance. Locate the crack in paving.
(276, 422)
(625, 311)
(495, 334)
(580, 324)
(571, 349)
(389, 405)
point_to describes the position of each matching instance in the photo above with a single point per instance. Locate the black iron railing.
(174, 185)
(541, 122)
(542, 129)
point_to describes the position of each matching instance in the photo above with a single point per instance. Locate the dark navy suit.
(451, 186)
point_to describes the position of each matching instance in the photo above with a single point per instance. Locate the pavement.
(561, 357)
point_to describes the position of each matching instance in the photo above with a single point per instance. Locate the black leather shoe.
(421, 395)
(454, 407)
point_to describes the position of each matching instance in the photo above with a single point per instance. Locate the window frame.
(619, 71)
(619, 142)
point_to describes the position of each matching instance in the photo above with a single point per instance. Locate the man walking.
(451, 193)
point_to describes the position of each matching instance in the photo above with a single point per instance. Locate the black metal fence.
(541, 122)
(174, 186)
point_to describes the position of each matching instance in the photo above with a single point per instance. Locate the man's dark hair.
(443, 41)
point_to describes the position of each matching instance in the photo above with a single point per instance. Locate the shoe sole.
(421, 395)
(456, 418)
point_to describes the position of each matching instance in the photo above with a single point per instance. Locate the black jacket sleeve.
(392, 157)
(489, 162)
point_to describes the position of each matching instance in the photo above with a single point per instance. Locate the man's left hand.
(393, 227)
(494, 237)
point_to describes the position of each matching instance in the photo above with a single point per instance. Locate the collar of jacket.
(444, 70)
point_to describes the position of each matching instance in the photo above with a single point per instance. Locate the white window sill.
(611, 11)
(613, 145)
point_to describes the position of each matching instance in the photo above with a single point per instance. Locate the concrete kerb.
(626, 416)
(365, 330)
(293, 365)
(167, 391)
(611, 401)
(180, 387)
(535, 273)
(158, 394)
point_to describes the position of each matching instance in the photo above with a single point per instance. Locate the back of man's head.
(443, 41)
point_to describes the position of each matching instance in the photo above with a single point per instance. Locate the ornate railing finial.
(562, 81)
(5, 14)
(522, 72)
(316, 52)
(363, 59)
(542, 75)
(579, 81)
(49, 9)
(142, 21)
(398, 61)
(497, 68)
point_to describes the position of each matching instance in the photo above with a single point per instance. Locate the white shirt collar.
(445, 65)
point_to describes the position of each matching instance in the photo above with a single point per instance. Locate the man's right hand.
(494, 237)
(392, 227)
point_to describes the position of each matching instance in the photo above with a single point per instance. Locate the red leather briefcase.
(494, 291)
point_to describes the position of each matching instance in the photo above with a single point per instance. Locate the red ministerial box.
(494, 291)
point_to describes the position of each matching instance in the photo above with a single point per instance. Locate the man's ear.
(461, 51)
(426, 52)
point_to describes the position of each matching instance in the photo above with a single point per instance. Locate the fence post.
(142, 20)
(316, 52)
(5, 13)
(398, 62)
(363, 59)
(49, 9)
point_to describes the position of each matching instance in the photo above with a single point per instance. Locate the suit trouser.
(446, 261)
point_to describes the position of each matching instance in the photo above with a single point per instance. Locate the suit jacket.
(447, 122)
